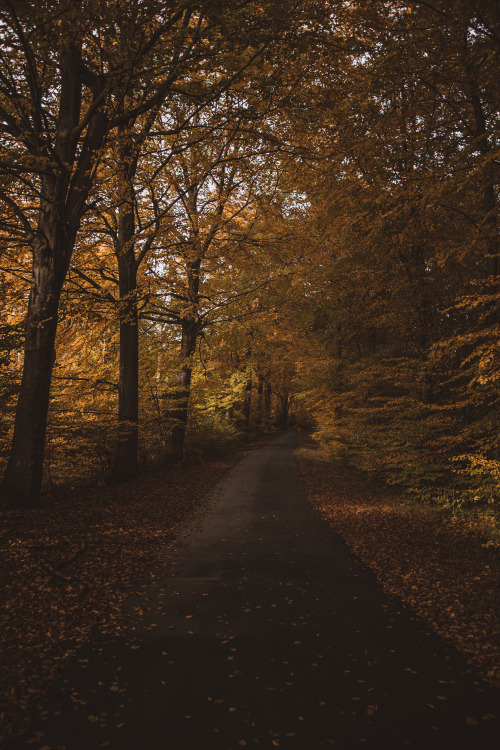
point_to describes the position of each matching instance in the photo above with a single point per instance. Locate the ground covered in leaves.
(67, 568)
(437, 564)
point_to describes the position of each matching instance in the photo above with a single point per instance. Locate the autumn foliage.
(218, 219)
(248, 241)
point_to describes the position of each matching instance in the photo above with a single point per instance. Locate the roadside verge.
(437, 565)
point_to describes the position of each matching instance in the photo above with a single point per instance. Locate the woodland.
(221, 218)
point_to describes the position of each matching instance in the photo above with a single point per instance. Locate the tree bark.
(189, 336)
(23, 478)
(64, 190)
(126, 459)
(126, 462)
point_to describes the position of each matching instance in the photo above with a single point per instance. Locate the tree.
(66, 85)
(213, 191)
(405, 294)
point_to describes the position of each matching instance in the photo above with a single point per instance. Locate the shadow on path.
(269, 634)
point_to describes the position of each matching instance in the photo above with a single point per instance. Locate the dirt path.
(268, 634)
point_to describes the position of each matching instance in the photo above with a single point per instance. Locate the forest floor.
(257, 627)
(67, 568)
(436, 563)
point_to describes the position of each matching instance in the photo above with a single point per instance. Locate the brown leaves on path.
(66, 569)
(436, 564)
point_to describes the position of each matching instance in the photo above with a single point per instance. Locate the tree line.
(215, 216)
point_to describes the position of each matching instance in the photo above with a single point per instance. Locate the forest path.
(268, 634)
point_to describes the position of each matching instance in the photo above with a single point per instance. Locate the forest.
(222, 223)
(221, 218)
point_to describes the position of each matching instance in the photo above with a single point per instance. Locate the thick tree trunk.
(22, 482)
(65, 186)
(126, 458)
(125, 464)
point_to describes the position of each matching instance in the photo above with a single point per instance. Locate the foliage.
(326, 228)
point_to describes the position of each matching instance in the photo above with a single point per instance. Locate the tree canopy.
(215, 219)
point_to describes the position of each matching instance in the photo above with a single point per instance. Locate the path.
(270, 634)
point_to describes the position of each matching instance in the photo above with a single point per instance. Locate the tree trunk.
(22, 482)
(65, 186)
(125, 464)
(268, 404)
(260, 403)
(285, 402)
(126, 460)
(490, 222)
(189, 336)
(180, 400)
(247, 402)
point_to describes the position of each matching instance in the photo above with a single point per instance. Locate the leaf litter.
(438, 565)
(67, 568)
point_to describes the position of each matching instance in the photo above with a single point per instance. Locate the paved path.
(270, 634)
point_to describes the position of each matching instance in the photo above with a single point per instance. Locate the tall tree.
(70, 76)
